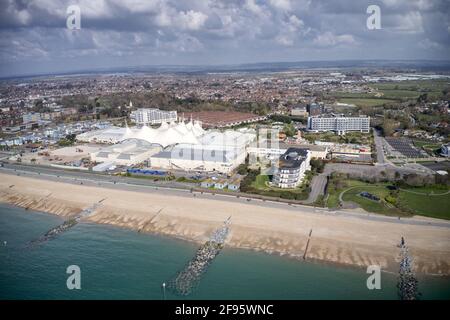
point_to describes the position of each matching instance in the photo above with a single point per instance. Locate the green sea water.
(123, 264)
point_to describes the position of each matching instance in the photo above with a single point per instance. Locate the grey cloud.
(218, 31)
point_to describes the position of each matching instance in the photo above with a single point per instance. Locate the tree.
(317, 165)
(388, 126)
(423, 97)
(280, 118)
(289, 130)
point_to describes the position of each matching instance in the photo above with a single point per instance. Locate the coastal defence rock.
(340, 240)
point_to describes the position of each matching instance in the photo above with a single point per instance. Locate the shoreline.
(336, 240)
(228, 248)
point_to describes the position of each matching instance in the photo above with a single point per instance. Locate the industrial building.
(215, 151)
(292, 167)
(126, 153)
(338, 124)
(198, 158)
(152, 116)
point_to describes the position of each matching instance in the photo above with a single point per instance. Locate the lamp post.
(164, 290)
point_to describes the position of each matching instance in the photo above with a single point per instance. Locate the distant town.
(297, 135)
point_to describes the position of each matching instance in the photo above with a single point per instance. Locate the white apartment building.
(339, 124)
(292, 167)
(152, 116)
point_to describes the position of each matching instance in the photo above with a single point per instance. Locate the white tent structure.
(180, 146)
(165, 135)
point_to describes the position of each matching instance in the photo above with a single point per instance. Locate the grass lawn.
(408, 203)
(333, 193)
(428, 146)
(351, 137)
(261, 184)
(425, 205)
(381, 207)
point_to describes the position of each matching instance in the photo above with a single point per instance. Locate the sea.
(116, 263)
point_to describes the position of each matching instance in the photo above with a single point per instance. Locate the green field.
(366, 102)
(390, 92)
(412, 89)
(426, 201)
(428, 146)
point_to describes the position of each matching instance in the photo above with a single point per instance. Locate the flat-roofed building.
(314, 109)
(152, 116)
(339, 124)
(128, 152)
(317, 152)
(299, 112)
(207, 158)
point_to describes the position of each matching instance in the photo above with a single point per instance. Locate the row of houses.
(233, 184)
(49, 135)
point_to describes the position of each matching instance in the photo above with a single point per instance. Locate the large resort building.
(292, 167)
(152, 116)
(339, 125)
(171, 146)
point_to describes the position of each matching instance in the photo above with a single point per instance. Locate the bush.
(281, 118)
(391, 199)
(247, 181)
(242, 169)
(287, 195)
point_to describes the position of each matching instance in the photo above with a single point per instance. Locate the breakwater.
(66, 225)
(187, 279)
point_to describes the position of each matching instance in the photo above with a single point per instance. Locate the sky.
(34, 37)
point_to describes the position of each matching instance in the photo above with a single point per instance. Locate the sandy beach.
(337, 239)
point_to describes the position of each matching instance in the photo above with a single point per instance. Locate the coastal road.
(378, 139)
(113, 182)
(318, 185)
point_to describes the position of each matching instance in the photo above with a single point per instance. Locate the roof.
(292, 158)
(312, 147)
(165, 135)
(196, 153)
